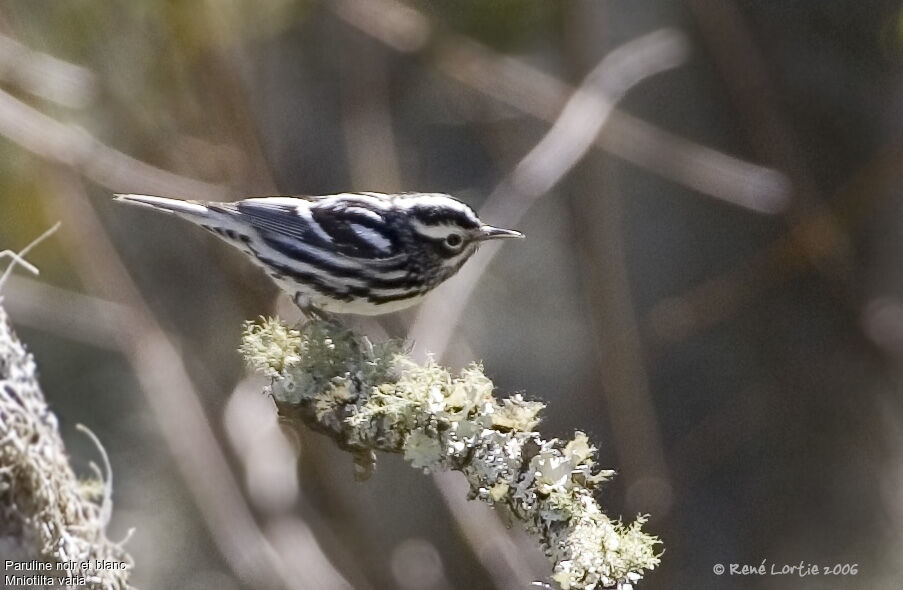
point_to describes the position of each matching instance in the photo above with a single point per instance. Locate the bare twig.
(561, 148)
(14, 260)
(541, 95)
(19, 257)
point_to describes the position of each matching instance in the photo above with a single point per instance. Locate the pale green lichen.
(270, 347)
(516, 413)
(374, 397)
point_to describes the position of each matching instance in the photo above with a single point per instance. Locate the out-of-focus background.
(714, 292)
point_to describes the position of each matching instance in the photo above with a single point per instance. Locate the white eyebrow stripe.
(372, 200)
(438, 200)
(439, 232)
(452, 203)
(429, 199)
(371, 237)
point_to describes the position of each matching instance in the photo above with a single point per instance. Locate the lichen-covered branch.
(51, 516)
(372, 397)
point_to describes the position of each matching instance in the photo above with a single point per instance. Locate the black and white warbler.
(362, 253)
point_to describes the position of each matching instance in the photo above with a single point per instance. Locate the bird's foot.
(311, 312)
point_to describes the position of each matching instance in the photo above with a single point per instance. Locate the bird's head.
(452, 228)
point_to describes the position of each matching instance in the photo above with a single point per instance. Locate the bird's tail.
(192, 210)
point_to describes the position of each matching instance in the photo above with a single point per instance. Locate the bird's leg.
(310, 312)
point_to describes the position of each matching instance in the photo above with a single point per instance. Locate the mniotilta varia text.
(362, 253)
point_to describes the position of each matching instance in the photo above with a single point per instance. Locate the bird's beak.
(487, 232)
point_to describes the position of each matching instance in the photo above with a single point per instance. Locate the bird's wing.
(341, 226)
(358, 229)
(279, 215)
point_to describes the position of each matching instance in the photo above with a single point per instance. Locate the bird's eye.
(454, 240)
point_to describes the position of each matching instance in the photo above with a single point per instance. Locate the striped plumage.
(363, 253)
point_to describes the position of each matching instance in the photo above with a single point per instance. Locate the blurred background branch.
(71, 146)
(45, 76)
(572, 134)
(538, 94)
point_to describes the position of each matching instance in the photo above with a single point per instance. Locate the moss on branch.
(372, 397)
(47, 514)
